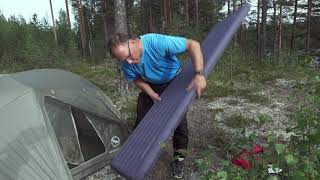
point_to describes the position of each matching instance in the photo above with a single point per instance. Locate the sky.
(27, 8)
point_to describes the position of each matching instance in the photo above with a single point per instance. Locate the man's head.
(124, 49)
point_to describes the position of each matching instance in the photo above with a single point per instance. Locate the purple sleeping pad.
(143, 146)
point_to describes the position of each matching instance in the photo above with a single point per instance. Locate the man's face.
(123, 52)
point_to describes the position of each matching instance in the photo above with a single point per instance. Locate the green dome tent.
(55, 125)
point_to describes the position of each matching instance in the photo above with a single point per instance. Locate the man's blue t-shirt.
(158, 62)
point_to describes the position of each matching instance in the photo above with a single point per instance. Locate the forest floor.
(216, 123)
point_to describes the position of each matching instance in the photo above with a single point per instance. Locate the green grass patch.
(216, 111)
(264, 118)
(229, 89)
(238, 121)
(130, 110)
(233, 102)
(218, 91)
(259, 99)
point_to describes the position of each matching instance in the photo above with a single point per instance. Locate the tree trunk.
(149, 16)
(165, 13)
(307, 46)
(53, 24)
(275, 21)
(120, 18)
(263, 36)
(294, 23)
(168, 11)
(258, 30)
(144, 17)
(228, 7)
(197, 12)
(280, 30)
(129, 7)
(151, 26)
(81, 26)
(68, 15)
(162, 16)
(90, 42)
(234, 10)
(186, 10)
(241, 26)
(105, 25)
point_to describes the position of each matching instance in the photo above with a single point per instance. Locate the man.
(150, 62)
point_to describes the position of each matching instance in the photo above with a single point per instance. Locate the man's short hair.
(116, 39)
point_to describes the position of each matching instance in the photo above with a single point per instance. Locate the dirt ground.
(207, 127)
(200, 123)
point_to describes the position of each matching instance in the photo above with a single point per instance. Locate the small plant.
(264, 118)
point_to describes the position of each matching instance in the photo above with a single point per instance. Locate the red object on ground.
(257, 149)
(240, 161)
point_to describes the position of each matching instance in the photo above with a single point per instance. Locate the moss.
(216, 111)
(233, 102)
(264, 118)
(260, 99)
(219, 138)
(218, 91)
(238, 121)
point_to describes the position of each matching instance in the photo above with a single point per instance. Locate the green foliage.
(264, 118)
(31, 45)
(299, 156)
(238, 121)
(209, 15)
(179, 27)
(239, 74)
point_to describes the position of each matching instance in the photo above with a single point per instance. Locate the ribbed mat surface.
(143, 146)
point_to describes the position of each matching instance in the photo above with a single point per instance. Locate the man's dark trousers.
(180, 137)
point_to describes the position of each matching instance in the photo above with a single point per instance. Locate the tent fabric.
(143, 146)
(26, 150)
(70, 88)
(67, 136)
(48, 119)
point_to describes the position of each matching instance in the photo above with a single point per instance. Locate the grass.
(235, 67)
(216, 111)
(218, 91)
(259, 99)
(225, 81)
(233, 102)
(238, 121)
(228, 89)
(236, 75)
(264, 118)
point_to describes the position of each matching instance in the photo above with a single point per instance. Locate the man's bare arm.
(145, 87)
(198, 82)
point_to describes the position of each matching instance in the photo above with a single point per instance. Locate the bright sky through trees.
(28, 8)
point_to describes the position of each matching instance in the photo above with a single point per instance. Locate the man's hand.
(145, 87)
(198, 83)
(155, 97)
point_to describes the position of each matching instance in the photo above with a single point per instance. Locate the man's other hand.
(155, 97)
(199, 83)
